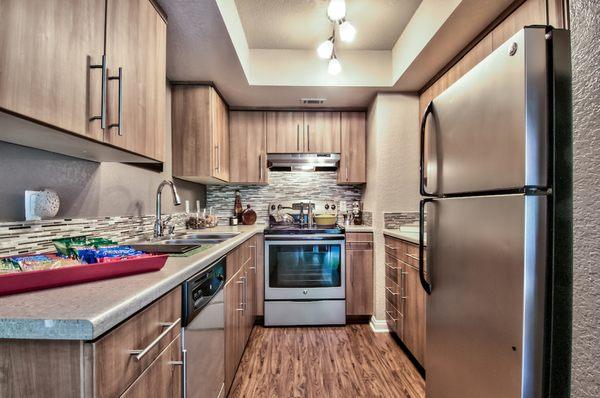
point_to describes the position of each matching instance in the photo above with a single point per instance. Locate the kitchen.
(403, 192)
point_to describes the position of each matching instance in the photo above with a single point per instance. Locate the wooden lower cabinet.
(163, 376)
(405, 298)
(359, 274)
(240, 306)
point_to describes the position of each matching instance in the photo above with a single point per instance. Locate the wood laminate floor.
(349, 361)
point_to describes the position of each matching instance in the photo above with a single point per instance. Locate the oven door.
(305, 269)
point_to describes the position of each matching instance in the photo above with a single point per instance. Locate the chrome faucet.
(159, 225)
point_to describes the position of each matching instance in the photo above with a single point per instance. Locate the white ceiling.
(200, 48)
(303, 24)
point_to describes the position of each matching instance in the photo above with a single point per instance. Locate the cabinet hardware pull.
(389, 266)
(298, 137)
(260, 167)
(119, 124)
(352, 272)
(175, 363)
(390, 290)
(139, 354)
(391, 317)
(347, 174)
(391, 247)
(102, 116)
(308, 136)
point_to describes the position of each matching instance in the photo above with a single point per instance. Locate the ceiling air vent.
(313, 101)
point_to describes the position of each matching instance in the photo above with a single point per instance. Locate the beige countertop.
(86, 311)
(408, 236)
(358, 228)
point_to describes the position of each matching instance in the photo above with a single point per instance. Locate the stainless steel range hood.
(303, 161)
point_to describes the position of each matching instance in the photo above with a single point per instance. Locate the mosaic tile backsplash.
(396, 220)
(282, 186)
(36, 236)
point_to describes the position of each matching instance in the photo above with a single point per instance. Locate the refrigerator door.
(488, 131)
(485, 315)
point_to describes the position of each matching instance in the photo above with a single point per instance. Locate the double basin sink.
(181, 242)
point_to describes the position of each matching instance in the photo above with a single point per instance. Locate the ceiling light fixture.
(347, 31)
(325, 49)
(336, 12)
(334, 66)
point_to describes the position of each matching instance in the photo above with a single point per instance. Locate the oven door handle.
(306, 237)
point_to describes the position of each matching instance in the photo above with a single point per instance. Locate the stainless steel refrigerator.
(496, 180)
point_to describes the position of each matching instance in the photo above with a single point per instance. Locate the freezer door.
(488, 131)
(485, 314)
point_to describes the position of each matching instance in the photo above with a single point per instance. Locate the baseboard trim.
(378, 326)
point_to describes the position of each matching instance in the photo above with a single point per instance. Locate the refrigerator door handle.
(426, 285)
(422, 189)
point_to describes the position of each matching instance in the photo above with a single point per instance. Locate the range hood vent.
(303, 161)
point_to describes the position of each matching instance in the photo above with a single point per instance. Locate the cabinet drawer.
(393, 246)
(393, 319)
(392, 292)
(392, 268)
(163, 376)
(147, 334)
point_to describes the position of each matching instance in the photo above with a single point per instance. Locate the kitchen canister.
(41, 204)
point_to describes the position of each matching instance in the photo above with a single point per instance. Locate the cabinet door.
(414, 335)
(46, 48)
(162, 378)
(322, 132)
(220, 131)
(285, 132)
(359, 282)
(247, 142)
(352, 168)
(233, 325)
(136, 42)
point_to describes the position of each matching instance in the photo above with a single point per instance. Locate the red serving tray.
(26, 281)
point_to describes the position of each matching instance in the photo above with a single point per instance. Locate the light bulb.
(336, 10)
(347, 32)
(325, 49)
(334, 66)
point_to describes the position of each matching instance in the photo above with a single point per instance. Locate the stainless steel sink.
(181, 242)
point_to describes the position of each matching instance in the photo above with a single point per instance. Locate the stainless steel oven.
(305, 279)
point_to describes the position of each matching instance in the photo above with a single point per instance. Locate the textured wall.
(392, 171)
(585, 36)
(283, 186)
(86, 189)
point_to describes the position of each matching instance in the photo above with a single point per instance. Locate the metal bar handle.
(139, 354)
(347, 173)
(119, 124)
(426, 285)
(391, 317)
(298, 137)
(308, 136)
(184, 373)
(260, 170)
(390, 266)
(422, 189)
(102, 116)
(391, 292)
(253, 247)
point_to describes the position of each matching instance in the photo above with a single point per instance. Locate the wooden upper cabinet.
(322, 132)
(220, 131)
(46, 48)
(248, 146)
(136, 44)
(200, 131)
(285, 132)
(353, 168)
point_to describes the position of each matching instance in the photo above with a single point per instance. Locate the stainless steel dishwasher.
(203, 333)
